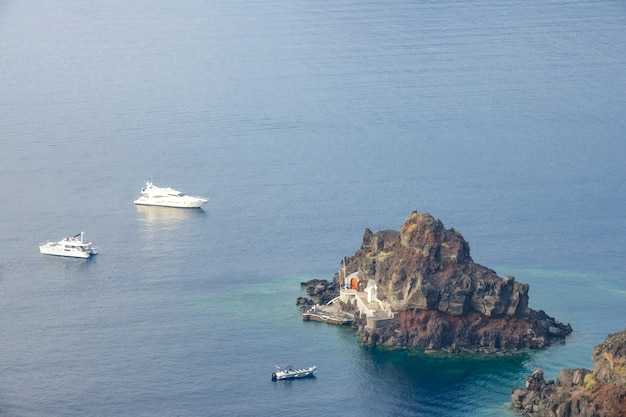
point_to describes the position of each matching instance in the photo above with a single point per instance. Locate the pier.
(377, 313)
(328, 313)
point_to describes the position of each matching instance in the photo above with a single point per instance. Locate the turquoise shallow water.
(305, 123)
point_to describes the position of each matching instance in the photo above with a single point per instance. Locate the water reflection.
(68, 267)
(165, 227)
(167, 215)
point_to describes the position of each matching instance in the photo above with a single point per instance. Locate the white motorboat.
(73, 246)
(151, 195)
(289, 372)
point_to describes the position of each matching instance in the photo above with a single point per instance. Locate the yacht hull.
(169, 202)
(59, 251)
(70, 247)
(152, 195)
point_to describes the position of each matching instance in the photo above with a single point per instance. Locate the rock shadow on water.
(433, 370)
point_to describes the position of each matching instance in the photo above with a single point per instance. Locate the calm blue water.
(305, 122)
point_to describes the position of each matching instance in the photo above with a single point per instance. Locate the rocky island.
(580, 392)
(419, 288)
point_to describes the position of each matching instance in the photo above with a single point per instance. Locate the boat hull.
(291, 373)
(171, 202)
(47, 250)
(71, 247)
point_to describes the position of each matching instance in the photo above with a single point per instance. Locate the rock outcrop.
(321, 291)
(426, 266)
(580, 392)
(440, 297)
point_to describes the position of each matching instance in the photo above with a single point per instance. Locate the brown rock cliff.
(440, 297)
(580, 392)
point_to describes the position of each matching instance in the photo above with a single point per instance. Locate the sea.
(304, 123)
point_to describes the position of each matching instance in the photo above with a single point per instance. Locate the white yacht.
(289, 372)
(151, 195)
(73, 246)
